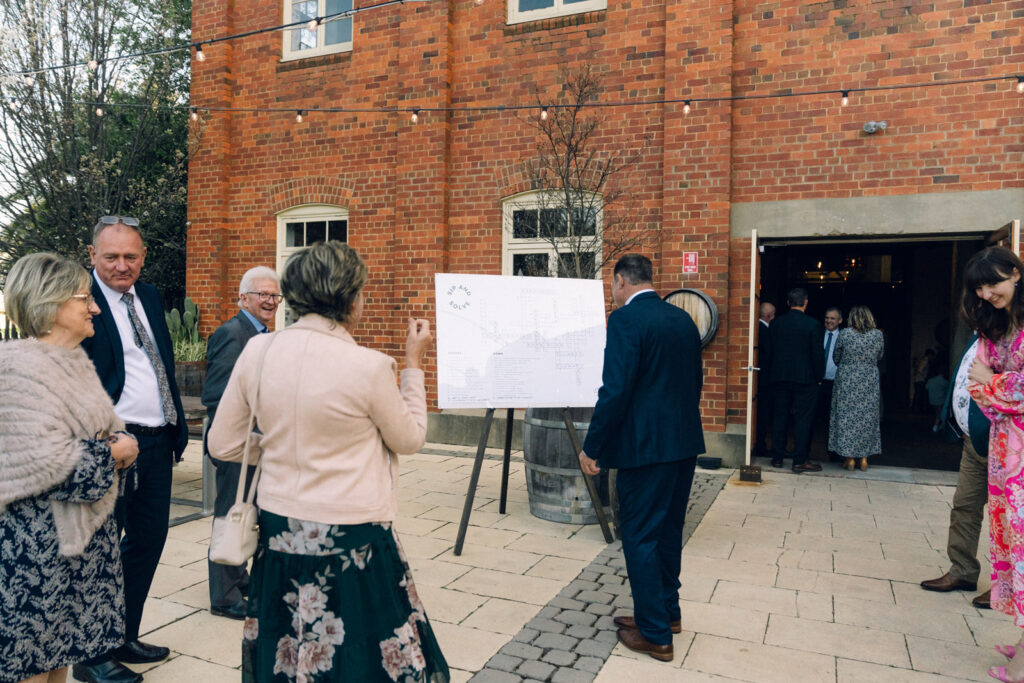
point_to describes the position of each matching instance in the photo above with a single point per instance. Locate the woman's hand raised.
(417, 342)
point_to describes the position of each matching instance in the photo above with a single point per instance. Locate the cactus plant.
(184, 330)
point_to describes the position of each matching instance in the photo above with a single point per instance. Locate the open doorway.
(913, 290)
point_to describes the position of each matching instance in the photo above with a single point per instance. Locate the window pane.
(530, 265)
(524, 223)
(316, 231)
(293, 235)
(338, 30)
(528, 5)
(337, 230)
(567, 265)
(584, 221)
(303, 38)
(552, 223)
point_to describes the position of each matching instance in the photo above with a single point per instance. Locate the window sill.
(546, 24)
(314, 61)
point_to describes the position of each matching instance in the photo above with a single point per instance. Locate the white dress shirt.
(830, 365)
(636, 295)
(961, 397)
(140, 399)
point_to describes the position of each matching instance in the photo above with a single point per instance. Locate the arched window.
(301, 226)
(542, 238)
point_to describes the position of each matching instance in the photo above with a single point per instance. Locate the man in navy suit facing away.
(135, 362)
(647, 425)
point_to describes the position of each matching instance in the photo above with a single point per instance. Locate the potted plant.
(189, 348)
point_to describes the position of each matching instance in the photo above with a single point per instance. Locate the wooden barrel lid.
(701, 308)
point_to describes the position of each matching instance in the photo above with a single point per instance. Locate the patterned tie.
(828, 345)
(144, 342)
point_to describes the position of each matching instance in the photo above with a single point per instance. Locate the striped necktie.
(144, 342)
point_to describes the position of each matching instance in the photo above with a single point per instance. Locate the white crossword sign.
(518, 342)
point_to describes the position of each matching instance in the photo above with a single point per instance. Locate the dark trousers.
(227, 584)
(966, 515)
(765, 415)
(652, 507)
(142, 515)
(800, 399)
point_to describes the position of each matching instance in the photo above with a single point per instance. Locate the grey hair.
(324, 279)
(101, 226)
(253, 274)
(37, 286)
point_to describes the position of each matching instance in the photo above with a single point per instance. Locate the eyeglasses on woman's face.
(266, 296)
(87, 298)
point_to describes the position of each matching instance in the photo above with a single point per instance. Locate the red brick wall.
(426, 197)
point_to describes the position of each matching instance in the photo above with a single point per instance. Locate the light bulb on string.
(93, 65)
(415, 115)
(543, 113)
(686, 107)
(298, 116)
(99, 112)
(195, 114)
(1020, 84)
(846, 98)
(29, 81)
(13, 105)
(313, 23)
(200, 57)
(478, 2)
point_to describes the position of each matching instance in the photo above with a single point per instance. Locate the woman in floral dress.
(855, 431)
(331, 597)
(993, 304)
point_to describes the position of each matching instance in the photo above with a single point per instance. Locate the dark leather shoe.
(984, 600)
(629, 622)
(236, 611)
(776, 463)
(635, 641)
(105, 672)
(807, 467)
(138, 652)
(947, 583)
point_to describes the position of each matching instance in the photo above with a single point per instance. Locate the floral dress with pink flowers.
(1002, 401)
(335, 603)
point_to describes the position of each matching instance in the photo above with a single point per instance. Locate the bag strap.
(240, 493)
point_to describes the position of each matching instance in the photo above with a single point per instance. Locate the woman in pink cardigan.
(331, 596)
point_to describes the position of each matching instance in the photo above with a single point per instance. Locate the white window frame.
(559, 9)
(511, 245)
(288, 54)
(304, 212)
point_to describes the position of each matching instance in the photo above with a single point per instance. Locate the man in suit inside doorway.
(798, 364)
(134, 359)
(833, 319)
(258, 297)
(647, 424)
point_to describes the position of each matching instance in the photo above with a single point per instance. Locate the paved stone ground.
(573, 635)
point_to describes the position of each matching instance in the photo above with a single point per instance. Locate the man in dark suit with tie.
(647, 424)
(135, 362)
(798, 364)
(823, 413)
(258, 297)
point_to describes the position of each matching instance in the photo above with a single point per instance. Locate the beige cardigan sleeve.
(400, 415)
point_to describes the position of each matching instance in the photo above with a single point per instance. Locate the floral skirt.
(335, 603)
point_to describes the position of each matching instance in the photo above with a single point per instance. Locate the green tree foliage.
(67, 156)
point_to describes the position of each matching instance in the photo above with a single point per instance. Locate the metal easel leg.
(467, 508)
(504, 463)
(595, 499)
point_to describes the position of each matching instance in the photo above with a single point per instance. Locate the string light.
(543, 113)
(99, 111)
(686, 107)
(200, 57)
(195, 114)
(478, 2)
(29, 81)
(93, 65)
(415, 115)
(313, 23)
(846, 98)
(298, 116)
(1020, 84)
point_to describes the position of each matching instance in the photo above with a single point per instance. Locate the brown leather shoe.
(947, 583)
(807, 467)
(635, 641)
(983, 600)
(629, 622)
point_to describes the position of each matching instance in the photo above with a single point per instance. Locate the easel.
(474, 478)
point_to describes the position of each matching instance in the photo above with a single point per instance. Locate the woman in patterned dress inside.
(61, 589)
(331, 597)
(855, 431)
(993, 304)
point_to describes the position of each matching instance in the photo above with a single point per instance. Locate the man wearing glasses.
(258, 297)
(134, 359)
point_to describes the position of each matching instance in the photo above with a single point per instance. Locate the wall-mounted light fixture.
(872, 127)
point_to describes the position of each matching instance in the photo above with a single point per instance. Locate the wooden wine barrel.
(556, 487)
(701, 308)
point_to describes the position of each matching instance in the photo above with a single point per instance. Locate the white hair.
(253, 274)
